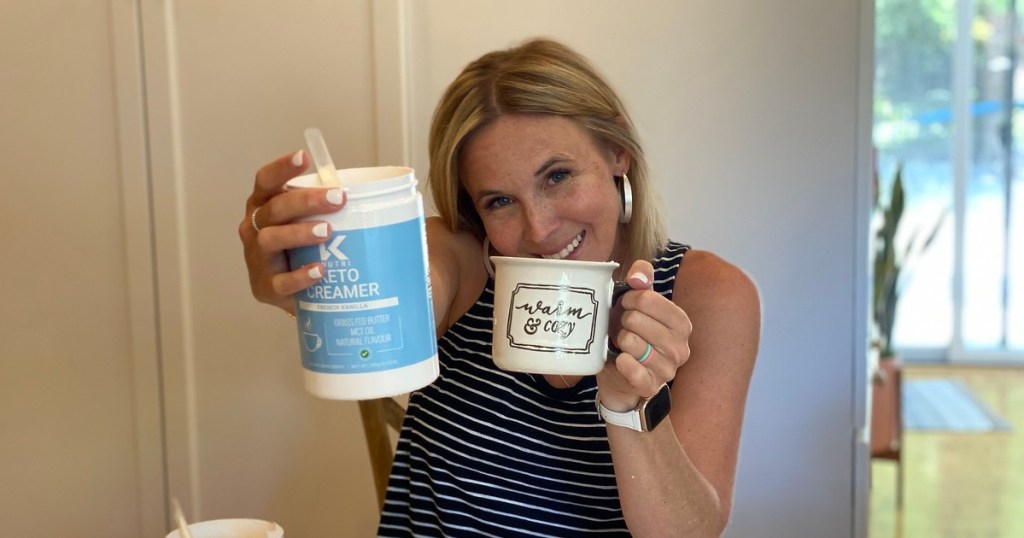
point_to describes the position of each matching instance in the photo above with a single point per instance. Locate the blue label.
(372, 310)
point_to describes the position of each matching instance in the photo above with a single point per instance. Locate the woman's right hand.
(269, 228)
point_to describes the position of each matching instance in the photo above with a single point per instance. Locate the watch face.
(657, 408)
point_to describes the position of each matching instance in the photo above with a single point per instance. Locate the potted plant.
(886, 422)
(889, 275)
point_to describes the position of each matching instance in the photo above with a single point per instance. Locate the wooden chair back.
(378, 415)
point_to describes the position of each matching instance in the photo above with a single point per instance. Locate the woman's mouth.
(567, 250)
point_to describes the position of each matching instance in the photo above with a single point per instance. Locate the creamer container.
(366, 330)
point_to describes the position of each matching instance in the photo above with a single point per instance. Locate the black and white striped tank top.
(484, 452)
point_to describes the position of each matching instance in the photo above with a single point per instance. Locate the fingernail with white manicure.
(639, 276)
(335, 196)
(320, 230)
(297, 159)
(314, 272)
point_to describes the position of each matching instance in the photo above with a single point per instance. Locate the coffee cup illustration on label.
(552, 318)
(310, 340)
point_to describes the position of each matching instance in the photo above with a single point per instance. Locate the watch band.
(627, 419)
(646, 416)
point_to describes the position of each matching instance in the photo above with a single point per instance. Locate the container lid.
(363, 182)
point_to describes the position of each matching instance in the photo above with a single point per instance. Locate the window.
(948, 91)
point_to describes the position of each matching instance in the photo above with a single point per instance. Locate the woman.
(532, 154)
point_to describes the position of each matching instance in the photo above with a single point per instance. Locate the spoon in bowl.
(179, 517)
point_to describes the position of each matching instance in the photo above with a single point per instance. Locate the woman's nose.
(540, 222)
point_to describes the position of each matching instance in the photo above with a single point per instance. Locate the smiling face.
(543, 188)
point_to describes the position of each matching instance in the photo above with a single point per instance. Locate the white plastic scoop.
(325, 169)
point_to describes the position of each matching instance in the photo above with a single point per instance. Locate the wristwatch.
(645, 417)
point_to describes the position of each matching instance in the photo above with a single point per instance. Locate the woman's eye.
(558, 176)
(497, 201)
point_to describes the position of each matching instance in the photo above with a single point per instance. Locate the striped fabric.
(484, 452)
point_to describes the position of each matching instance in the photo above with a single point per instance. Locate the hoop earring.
(487, 257)
(626, 194)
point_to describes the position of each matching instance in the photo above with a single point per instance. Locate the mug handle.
(619, 288)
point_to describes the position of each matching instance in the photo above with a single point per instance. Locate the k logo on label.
(327, 249)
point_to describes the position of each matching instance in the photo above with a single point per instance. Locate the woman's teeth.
(565, 251)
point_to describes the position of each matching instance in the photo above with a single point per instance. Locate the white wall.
(74, 431)
(752, 114)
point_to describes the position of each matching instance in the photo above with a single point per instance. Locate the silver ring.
(252, 219)
(647, 354)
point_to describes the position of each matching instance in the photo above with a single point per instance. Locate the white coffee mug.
(232, 528)
(551, 316)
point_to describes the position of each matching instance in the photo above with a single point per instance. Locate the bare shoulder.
(724, 308)
(451, 244)
(457, 273)
(709, 286)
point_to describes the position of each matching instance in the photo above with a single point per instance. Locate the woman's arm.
(680, 476)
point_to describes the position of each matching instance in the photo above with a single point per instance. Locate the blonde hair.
(538, 77)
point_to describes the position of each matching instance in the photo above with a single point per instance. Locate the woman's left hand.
(647, 318)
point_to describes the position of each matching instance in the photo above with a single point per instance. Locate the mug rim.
(521, 260)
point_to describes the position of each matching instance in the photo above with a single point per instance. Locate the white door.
(231, 85)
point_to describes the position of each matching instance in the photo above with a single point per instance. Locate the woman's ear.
(622, 159)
